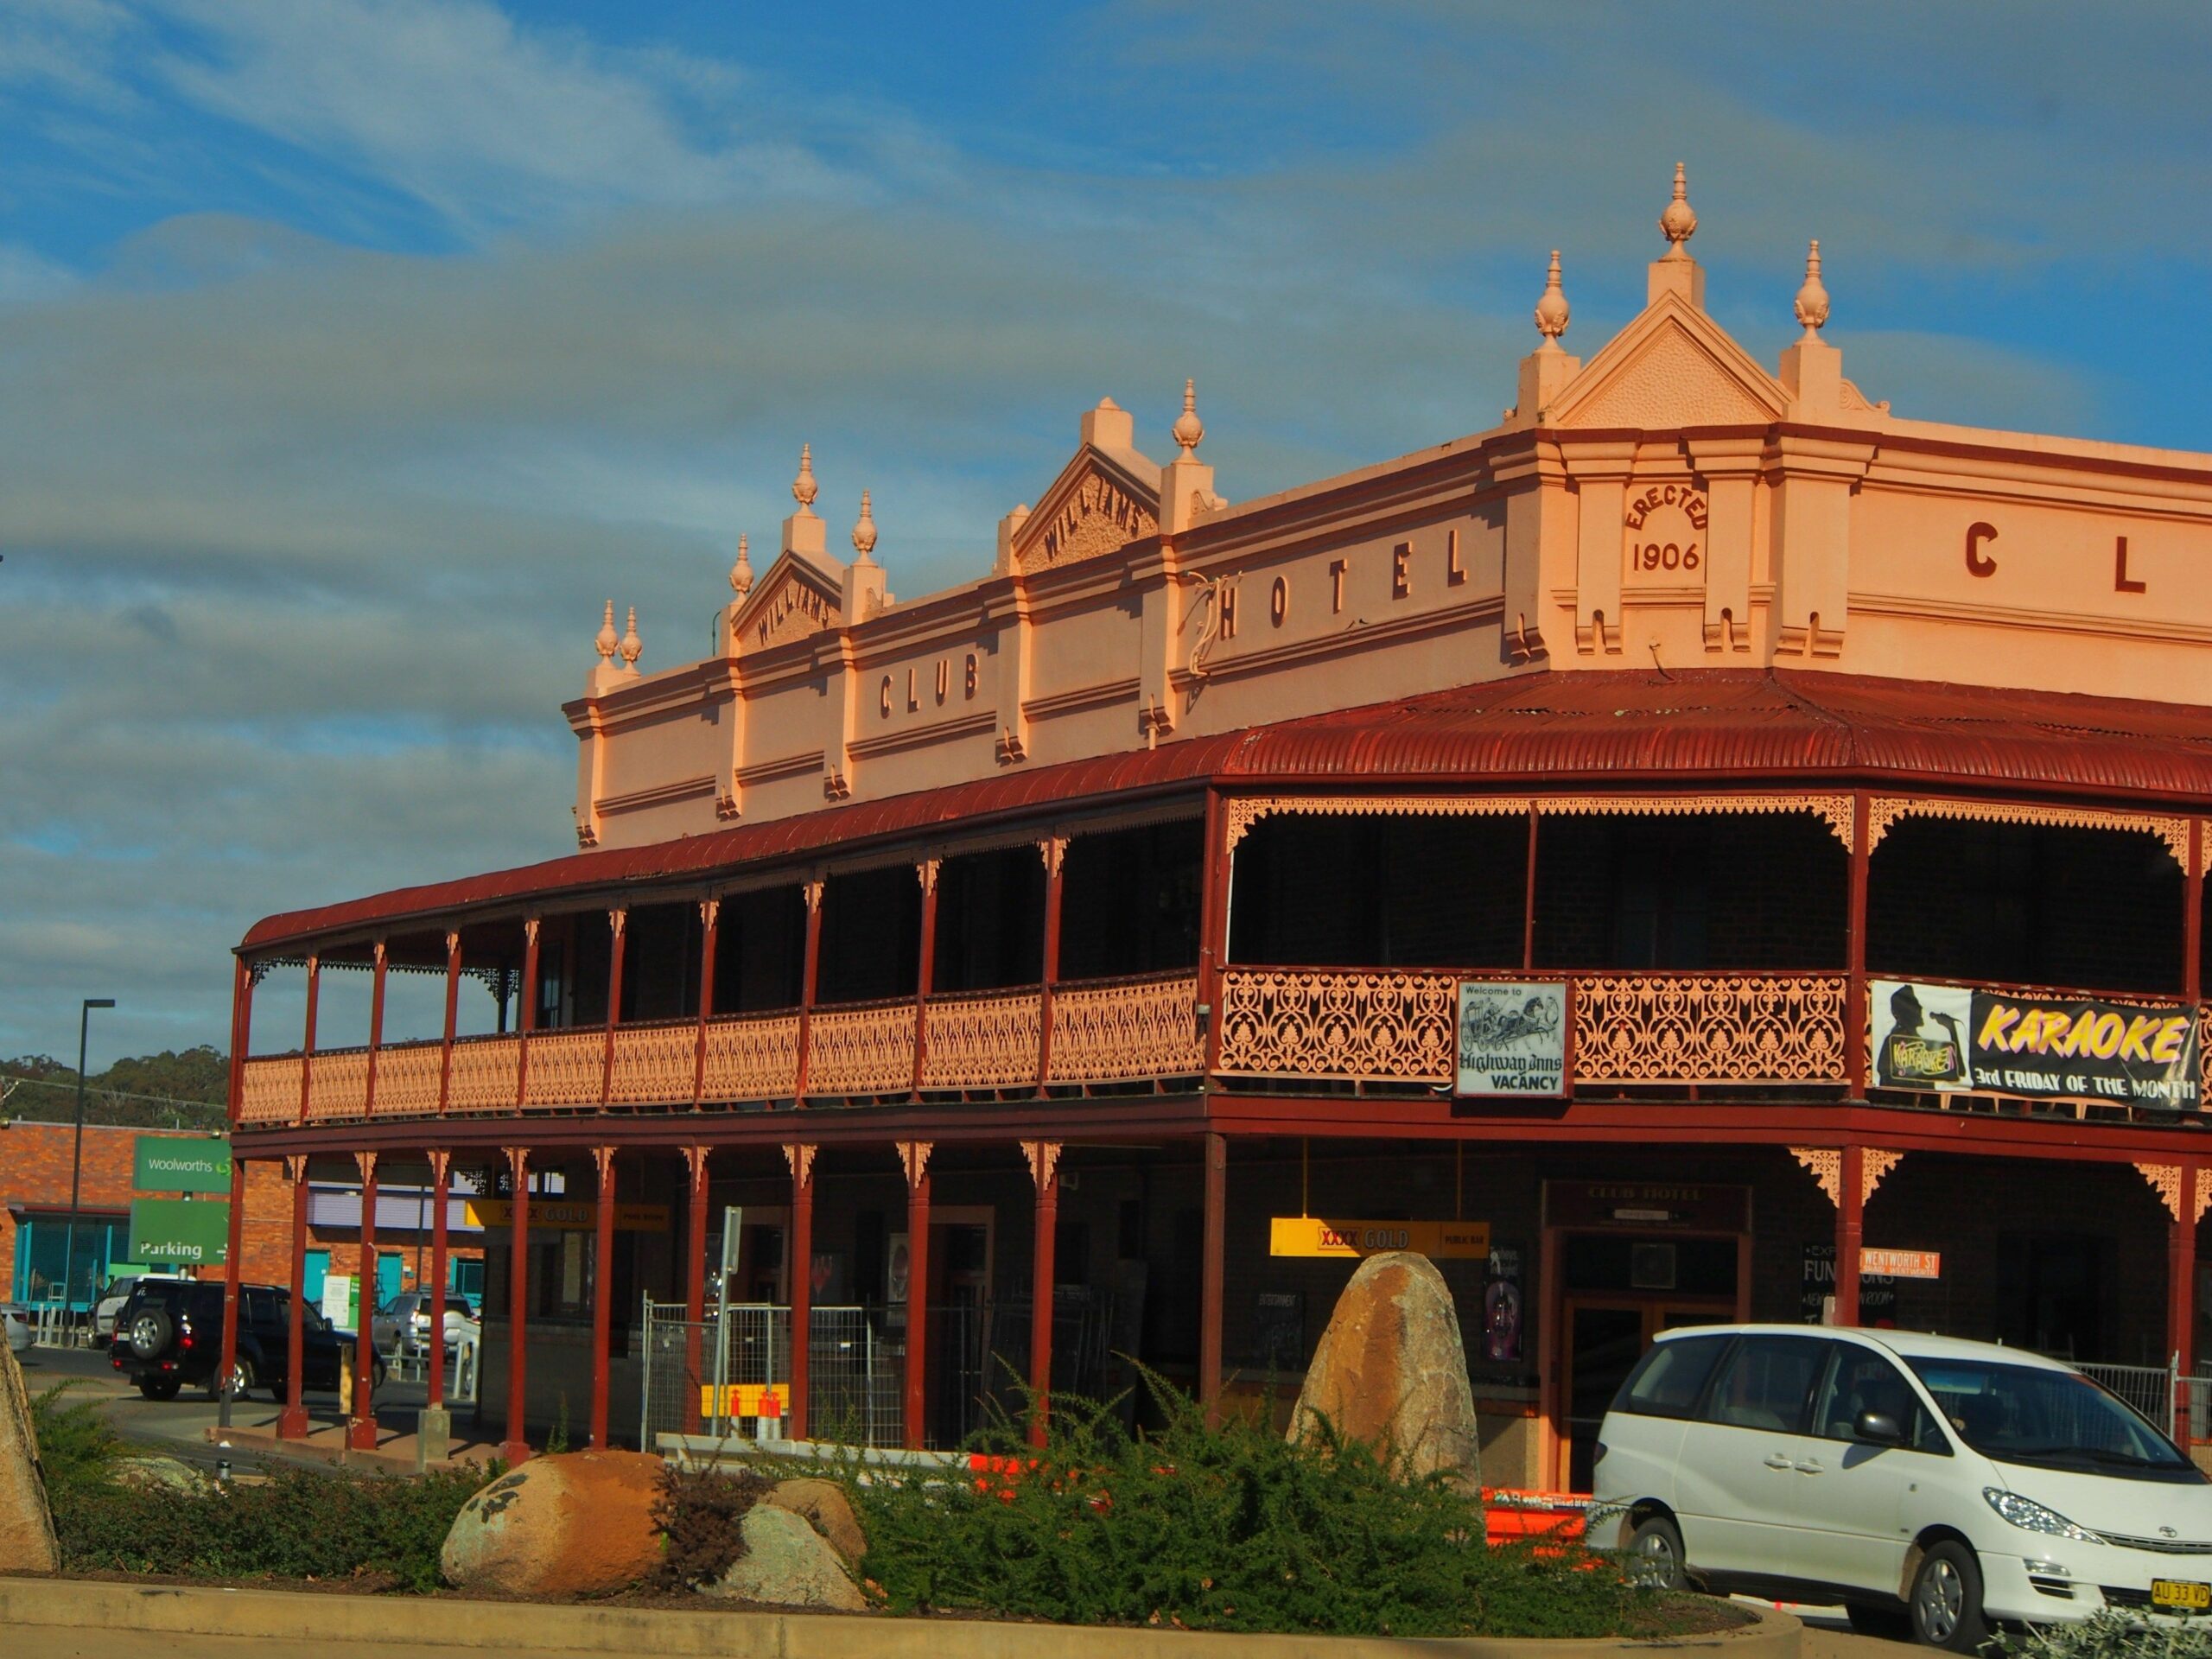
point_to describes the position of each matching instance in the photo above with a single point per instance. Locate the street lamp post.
(77, 1150)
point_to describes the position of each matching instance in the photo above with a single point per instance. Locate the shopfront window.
(44, 1256)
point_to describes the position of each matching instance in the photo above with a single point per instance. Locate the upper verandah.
(1670, 501)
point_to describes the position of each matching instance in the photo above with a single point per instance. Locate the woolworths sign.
(178, 1163)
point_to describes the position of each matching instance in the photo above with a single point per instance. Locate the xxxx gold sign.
(1443, 1241)
(572, 1215)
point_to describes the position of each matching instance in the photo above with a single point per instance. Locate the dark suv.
(170, 1332)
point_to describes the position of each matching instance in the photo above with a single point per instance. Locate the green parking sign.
(179, 1232)
(180, 1163)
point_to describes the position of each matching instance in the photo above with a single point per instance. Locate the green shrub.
(1231, 1528)
(378, 1530)
(2113, 1636)
(76, 1448)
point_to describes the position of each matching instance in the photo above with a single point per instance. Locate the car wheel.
(241, 1380)
(1946, 1605)
(150, 1332)
(159, 1387)
(1655, 1554)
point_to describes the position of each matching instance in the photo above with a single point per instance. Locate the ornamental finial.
(803, 488)
(605, 643)
(864, 530)
(1813, 298)
(1552, 308)
(1679, 221)
(1189, 431)
(631, 645)
(740, 574)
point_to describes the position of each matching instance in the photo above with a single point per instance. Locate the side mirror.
(1879, 1427)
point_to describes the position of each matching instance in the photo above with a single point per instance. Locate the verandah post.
(809, 976)
(361, 1430)
(1850, 1228)
(1043, 1157)
(376, 1032)
(915, 1155)
(695, 1285)
(710, 912)
(452, 1018)
(1854, 996)
(2181, 1294)
(516, 1447)
(231, 1269)
(925, 969)
(292, 1421)
(528, 1012)
(307, 1038)
(1054, 849)
(441, 1197)
(616, 920)
(799, 1418)
(1215, 1154)
(602, 1295)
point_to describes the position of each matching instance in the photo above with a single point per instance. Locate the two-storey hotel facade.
(1699, 837)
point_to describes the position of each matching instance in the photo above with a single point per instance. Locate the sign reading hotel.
(1440, 1241)
(1512, 1038)
(1948, 1038)
(169, 1163)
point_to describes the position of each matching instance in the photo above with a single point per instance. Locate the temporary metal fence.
(2155, 1390)
(978, 1364)
(740, 1387)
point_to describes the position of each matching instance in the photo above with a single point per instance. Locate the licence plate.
(2181, 1594)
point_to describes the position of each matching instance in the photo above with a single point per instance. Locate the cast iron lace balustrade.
(863, 1049)
(407, 1079)
(653, 1063)
(1709, 1028)
(485, 1070)
(270, 1090)
(567, 1065)
(982, 1040)
(1115, 1030)
(752, 1057)
(1365, 1027)
(338, 1083)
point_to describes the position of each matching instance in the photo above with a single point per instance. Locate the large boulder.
(787, 1564)
(26, 1526)
(575, 1524)
(1391, 1371)
(823, 1505)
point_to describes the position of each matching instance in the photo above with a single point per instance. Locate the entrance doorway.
(1617, 1289)
(1602, 1339)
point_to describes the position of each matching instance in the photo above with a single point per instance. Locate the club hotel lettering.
(1003, 963)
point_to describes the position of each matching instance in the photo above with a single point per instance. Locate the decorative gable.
(1097, 506)
(795, 602)
(1672, 366)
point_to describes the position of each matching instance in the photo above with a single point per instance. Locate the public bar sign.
(176, 1163)
(1441, 1240)
(570, 1215)
(1512, 1038)
(1951, 1038)
(177, 1231)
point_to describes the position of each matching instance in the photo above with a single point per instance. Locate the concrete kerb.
(82, 1607)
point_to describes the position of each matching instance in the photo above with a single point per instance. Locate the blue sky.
(353, 352)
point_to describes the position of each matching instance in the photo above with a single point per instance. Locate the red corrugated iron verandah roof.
(1649, 728)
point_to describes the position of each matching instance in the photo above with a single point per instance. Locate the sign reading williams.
(1947, 1037)
(1512, 1038)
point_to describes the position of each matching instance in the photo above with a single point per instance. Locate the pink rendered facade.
(1669, 501)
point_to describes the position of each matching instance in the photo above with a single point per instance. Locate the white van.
(1954, 1484)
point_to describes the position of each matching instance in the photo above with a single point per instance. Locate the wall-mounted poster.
(1512, 1038)
(1502, 1305)
(1946, 1038)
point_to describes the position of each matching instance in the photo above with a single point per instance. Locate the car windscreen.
(2049, 1419)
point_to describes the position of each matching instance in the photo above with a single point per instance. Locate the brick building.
(34, 1169)
(1717, 837)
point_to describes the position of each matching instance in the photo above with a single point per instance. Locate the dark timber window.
(2025, 904)
(1383, 892)
(761, 951)
(990, 920)
(1129, 900)
(871, 935)
(660, 962)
